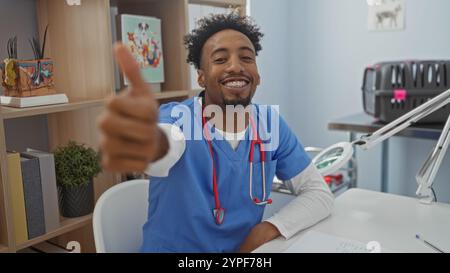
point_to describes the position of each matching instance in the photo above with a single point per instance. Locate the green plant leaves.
(76, 164)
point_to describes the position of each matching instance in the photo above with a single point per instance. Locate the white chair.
(119, 216)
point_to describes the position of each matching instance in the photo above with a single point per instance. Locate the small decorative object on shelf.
(73, 2)
(76, 166)
(19, 102)
(23, 79)
(142, 36)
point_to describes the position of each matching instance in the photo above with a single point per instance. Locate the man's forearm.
(259, 235)
(271, 232)
(313, 204)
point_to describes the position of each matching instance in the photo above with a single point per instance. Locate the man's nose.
(235, 65)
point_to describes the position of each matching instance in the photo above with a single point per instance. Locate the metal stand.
(428, 172)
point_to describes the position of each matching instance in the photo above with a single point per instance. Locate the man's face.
(228, 69)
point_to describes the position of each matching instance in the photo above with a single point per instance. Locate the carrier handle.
(369, 68)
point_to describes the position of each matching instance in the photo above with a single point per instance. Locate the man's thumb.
(131, 70)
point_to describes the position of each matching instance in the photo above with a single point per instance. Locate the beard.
(239, 101)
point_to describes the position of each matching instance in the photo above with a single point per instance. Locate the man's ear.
(201, 78)
(258, 80)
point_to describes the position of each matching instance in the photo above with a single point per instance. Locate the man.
(205, 195)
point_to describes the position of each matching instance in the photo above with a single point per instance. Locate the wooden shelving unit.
(172, 95)
(3, 249)
(80, 43)
(220, 3)
(84, 72)
(67, 225)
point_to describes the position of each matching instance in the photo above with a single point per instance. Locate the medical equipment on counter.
(334, 157)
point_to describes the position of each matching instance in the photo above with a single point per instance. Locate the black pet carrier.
(391, 89)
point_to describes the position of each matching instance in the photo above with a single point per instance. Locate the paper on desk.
(318, 242)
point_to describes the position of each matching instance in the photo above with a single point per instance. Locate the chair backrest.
(119, 216)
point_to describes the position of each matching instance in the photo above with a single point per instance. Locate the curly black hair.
(210, 25)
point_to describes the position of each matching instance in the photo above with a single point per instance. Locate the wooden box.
(28, 78)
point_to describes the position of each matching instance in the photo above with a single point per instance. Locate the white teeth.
(236, 84)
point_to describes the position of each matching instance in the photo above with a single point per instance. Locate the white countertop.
(391, 220)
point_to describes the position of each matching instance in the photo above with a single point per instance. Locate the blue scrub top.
(180, 214)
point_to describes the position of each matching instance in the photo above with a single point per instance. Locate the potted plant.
(76, 166)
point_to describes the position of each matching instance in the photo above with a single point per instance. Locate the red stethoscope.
(218, 211)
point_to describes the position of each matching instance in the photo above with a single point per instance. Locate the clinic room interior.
(362, 87)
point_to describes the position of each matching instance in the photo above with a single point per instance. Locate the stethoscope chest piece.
(219, 215)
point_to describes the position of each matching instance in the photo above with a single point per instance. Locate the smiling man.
(208, 194)
(237, 83)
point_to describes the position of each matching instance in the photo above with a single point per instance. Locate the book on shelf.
(23, 102)
(142, 36)
(32, 188)
(49, 188)
(17, 197)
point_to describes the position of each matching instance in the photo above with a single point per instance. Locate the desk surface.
(392, 220)
(363, 123)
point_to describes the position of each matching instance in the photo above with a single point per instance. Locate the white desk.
(392, 220)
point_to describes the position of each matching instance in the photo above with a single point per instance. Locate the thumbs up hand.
(131, 138)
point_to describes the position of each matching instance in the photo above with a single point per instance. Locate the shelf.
(176, 94)
(200, 2)
(68, 224)
(10, 112)
(3, 249)
(171, 94)
(336, 189)
(221, 3)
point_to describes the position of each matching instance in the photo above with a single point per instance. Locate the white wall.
(312, 64)
(273, 60)
(338, 47)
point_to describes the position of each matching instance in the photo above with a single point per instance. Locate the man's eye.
(247, 58)
(219, 61)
